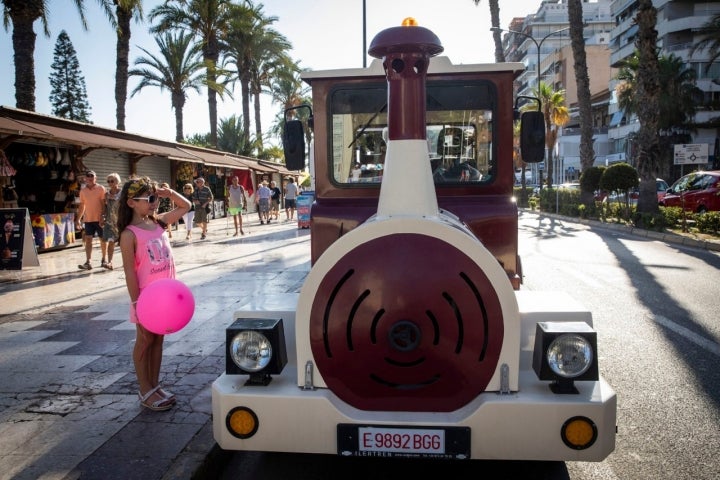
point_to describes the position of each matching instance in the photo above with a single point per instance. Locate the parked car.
(661, 187)
(696, 192)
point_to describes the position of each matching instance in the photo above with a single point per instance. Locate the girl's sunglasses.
(149, 198)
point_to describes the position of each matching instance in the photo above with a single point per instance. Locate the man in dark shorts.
(202, 197)
(92, 204)
(291, 193)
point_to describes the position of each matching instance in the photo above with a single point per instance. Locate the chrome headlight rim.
(251, 351)
(572, 343)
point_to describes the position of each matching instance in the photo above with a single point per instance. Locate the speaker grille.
(406, 322)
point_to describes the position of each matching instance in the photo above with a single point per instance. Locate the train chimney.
(407, 187)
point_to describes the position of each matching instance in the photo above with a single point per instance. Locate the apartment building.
(541, 41)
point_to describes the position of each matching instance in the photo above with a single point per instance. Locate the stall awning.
(214, 158)
(22, 124)
(32, 125)
(14, 127)
(255, 165)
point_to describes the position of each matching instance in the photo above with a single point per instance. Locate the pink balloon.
(165, 306)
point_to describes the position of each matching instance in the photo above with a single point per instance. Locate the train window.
(459, 133)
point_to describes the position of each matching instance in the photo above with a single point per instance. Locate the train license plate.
(401, 441)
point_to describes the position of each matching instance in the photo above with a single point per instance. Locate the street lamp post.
(538, 45)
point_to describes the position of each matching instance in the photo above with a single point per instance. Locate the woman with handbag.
(202, 198)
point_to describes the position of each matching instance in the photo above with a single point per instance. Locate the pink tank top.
(153, 255)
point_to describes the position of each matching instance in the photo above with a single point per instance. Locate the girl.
(110, 230)
(147, 256)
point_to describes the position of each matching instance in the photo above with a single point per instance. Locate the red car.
(696, 192)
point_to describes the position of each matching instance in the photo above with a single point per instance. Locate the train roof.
(438, 65)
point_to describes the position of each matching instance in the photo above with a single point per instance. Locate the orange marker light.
(409, 22)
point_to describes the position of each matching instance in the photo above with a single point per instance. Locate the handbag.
(207, 209)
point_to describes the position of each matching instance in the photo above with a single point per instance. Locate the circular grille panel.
(406, 322)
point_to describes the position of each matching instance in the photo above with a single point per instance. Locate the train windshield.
(459, 133)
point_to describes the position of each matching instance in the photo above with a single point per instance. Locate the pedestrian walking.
(202, 198)
(189, 216)
(262, 198)
(275, 200)
(110, 233)
(291, 193)
(92, 203)
(147, 257)
(236, 201)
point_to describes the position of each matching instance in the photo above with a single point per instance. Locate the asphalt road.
(654, 306)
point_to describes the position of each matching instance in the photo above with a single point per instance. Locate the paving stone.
(69, 407)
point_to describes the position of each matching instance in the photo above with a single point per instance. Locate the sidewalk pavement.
(69, 407)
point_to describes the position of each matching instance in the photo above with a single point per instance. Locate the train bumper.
(523, 425)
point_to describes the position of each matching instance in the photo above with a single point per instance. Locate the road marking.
(698, 340)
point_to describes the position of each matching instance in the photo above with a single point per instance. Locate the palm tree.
(497, 31)
(556, 115)
(125, 11)
(648, 105)
(287, 90)
(242, 44)
(677, 103)
(587, 153)
(207, 20)
(709, 37)
(180, 68)
(231, 137)
(270, 57)
(22, 14)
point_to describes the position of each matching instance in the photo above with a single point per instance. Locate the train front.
(408, 338)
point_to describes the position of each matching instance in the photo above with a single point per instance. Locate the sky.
(325, 34)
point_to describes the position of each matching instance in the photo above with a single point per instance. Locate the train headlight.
(565, 352)
(570, 355)
(255, 347)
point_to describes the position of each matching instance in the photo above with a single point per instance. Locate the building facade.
(540, 40)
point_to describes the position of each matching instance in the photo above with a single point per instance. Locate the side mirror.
(532, 136)
(294, 145)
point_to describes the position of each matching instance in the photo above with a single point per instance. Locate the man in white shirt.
(291, 192)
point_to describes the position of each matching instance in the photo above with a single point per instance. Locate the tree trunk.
(587, 153)
(648, 88)
(23, 38)
(211, 55)
(549, 146)
(245, 92)
(178, 103)
(495, 23)
(121, 64)
(258, 122)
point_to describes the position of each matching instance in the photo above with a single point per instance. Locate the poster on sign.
(17, 248)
